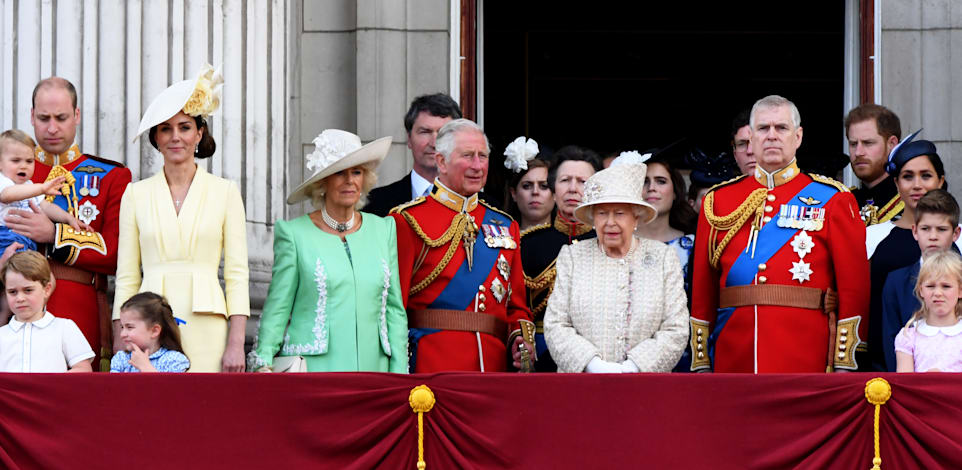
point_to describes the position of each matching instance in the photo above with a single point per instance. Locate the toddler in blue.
(151, 337)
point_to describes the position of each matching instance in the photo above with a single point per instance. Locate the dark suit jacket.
(898, 305)
(381, 200)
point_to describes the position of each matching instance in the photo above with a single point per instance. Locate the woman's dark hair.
(572, 153)
(681, 215)
(155, 310)
(510, 205)
(206, 146)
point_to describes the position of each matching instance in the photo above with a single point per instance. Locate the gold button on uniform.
(769, 208)
(481, 307)
(762, 267)
(843, 331)
(762, 279)
(771, 198)
(767, 219)
(701, 355)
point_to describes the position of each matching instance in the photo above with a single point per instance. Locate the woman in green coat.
(334, 297)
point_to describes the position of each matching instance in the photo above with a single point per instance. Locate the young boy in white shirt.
(35, 340)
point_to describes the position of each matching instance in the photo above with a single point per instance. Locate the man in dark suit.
(423, 120)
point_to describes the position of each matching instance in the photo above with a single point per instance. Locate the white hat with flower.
(334, 151)
(518, 153)
(621, 183)
(196, 97)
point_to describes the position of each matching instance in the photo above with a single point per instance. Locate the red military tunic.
(494, 285)
(100, 184)
(816, 240)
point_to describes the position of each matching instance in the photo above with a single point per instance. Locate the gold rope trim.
(453, 235)
(421, 400)
(877, 392)
(544, 279)
(534, 228)
(732, 222)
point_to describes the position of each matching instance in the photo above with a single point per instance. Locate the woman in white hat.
(618, 303)
(335, 299)
(176, 224)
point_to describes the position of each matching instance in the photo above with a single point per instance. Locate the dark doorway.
(616, 76)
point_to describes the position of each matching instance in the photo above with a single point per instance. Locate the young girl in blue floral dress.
(151, 337)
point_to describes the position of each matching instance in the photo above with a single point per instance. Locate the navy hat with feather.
(908, 149)
(709, 171)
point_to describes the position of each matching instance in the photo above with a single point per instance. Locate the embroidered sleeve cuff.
(847, 342)
(699, 345)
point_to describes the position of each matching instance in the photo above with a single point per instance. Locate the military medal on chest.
(802, 216)
(87, 212)
(802, 244)
(498, 236)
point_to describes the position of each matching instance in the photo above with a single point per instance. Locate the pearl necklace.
(334, 224)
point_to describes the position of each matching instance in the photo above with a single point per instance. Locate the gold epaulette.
(401, 207)
(535, 228)
(726, 183)
(489, 206)
(829, 181)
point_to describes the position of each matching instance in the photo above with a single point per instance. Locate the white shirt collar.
(45, 320)
(927, 330)
(418, 185)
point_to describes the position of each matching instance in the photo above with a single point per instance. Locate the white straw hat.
(623, 183)
(336, 150)
(196, 97)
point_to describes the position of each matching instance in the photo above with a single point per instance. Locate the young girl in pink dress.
(932, 339)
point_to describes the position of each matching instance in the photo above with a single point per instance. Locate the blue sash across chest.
(460, 291)
(772, 238)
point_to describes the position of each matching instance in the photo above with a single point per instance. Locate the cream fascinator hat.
(336, 150)
(197, 97)
(622, 182)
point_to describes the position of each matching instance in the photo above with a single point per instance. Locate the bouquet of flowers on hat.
(631, 157)
(519, 153)
(329, 148)
(205, 98)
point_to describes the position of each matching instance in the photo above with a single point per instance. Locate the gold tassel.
(877, 392)
(421, 400)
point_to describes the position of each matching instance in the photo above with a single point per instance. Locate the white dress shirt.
(419, 185)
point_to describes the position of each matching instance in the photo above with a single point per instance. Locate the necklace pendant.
(341, 227)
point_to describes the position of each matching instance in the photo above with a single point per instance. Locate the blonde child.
(35, 340)
(151, 337)
(932, 339)
(17, 191)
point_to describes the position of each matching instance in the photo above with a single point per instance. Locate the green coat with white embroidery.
(338, 307)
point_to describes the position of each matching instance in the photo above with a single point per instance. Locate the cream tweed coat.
(632, 308)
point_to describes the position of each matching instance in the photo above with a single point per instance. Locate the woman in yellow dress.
(176, 224)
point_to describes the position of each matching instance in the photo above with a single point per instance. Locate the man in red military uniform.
(460, 267)
(80, 262)
(780, 274)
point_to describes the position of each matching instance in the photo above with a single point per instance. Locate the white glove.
(598, 366)
(629, 367)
